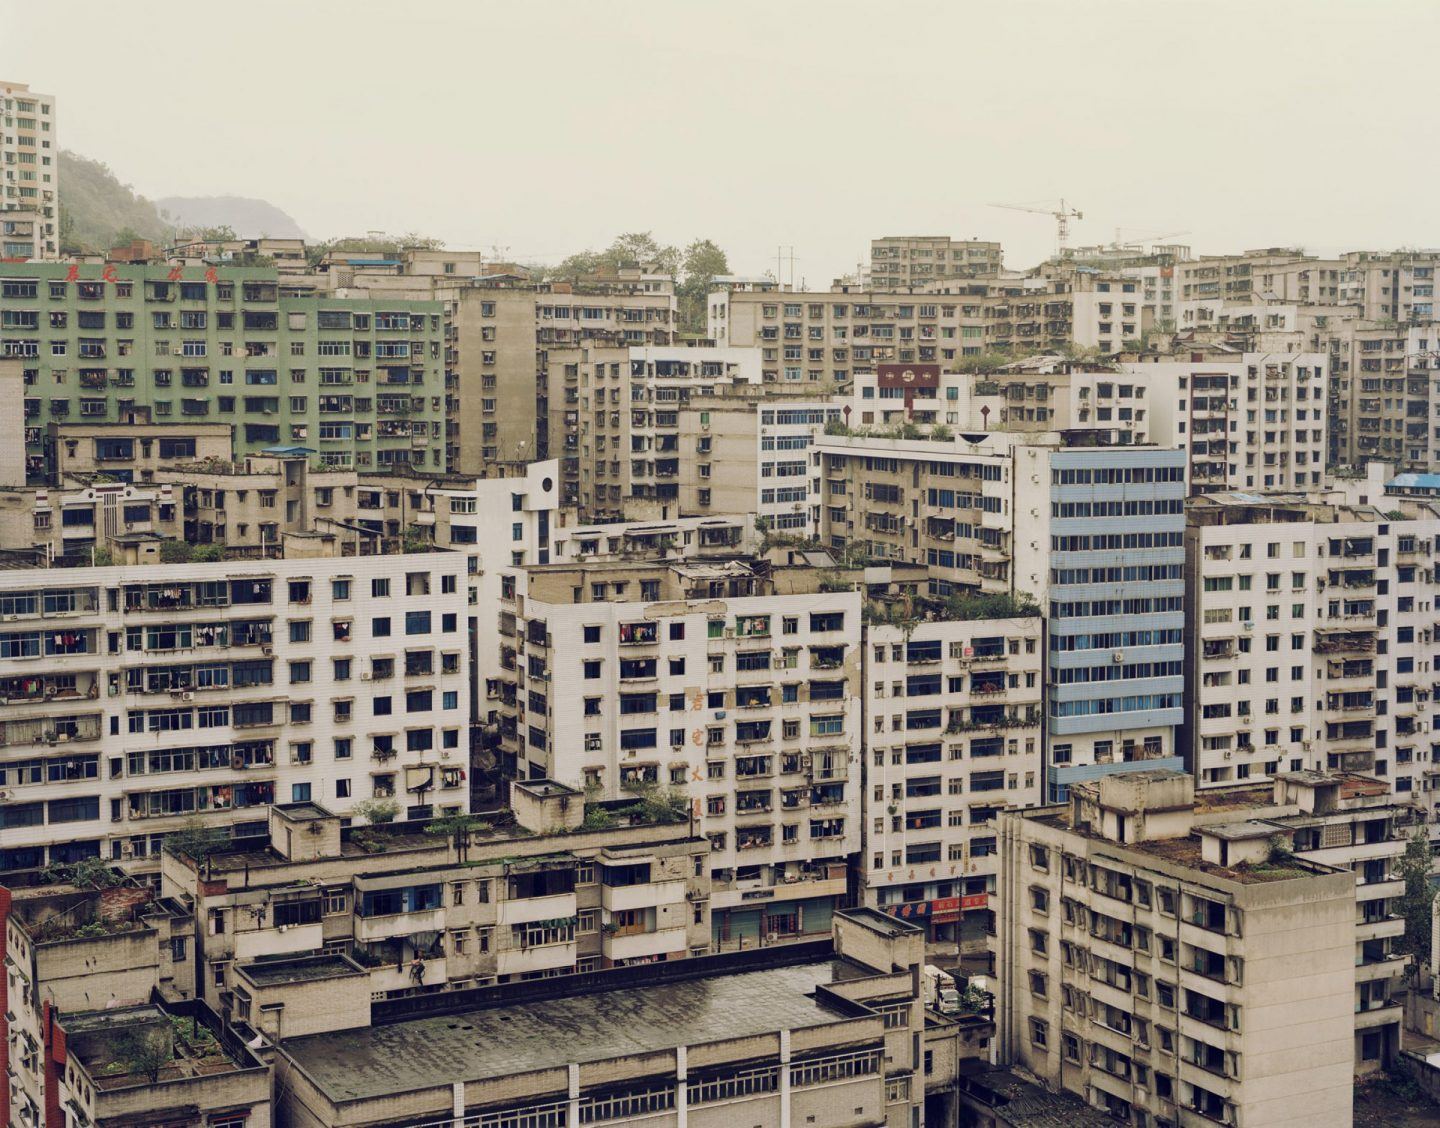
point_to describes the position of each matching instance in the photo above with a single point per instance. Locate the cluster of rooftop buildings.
(431, 696)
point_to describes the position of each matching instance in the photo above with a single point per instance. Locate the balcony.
(543, 957)
(619, 898)
(1385, 928)
(283, 940)
(640, 944)
(390, 925)
(391, 978)
(527, 909)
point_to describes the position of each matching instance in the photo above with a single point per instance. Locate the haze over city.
(550, 127)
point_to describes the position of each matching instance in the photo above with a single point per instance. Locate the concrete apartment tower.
(29, 174)
(1168, 965)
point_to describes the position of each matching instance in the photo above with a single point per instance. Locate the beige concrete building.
(30, 163)
(131, 451)
(831, 1034)
(548, 885)
(618, 421)
(82, 1039)
(1395, 286)
(1384, 394)
(821, 339)
(746, 450)
(1170, 965)
(903, 262)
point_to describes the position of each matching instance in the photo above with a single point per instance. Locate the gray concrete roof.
(375, 1061)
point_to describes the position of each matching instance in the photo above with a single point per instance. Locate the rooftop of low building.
(1023, 1103)
(151, 1044)
(285, 971)
(1232, 813)
(476, 1044)
(253, 855)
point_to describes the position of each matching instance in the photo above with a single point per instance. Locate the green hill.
(248, 217)
(97, 211)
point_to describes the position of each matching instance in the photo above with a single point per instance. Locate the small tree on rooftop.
(376, 811)
(146, 1051)
(196, 841)
(458, 828)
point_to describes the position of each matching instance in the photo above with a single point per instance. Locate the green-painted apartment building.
(358, 380)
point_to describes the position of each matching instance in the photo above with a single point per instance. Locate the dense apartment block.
(30, 160)
(1172, 964)
(751, 454)
(621, 422)
(826, 337)
(506, 402)
(546, 886)
(1205, 286)
(1309, 631)
(1395, 286)
(953, 722)
(359, 382)
(696, 675)
(138, 699)
(903, 262)
(1252, 422)
(827, 1034)
(919, 501)
(1384, 394)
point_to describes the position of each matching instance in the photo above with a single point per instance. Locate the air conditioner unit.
(365, 676)
(127, 850)
(1118, 657)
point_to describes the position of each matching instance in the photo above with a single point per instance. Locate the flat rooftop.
(472, 1045)
(308, 969)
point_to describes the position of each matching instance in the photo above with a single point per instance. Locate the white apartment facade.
(689, 676)
(953, 720)
(681, 537)
(140, 698)
(30, 165)
(1256, 422)
(1309, 641)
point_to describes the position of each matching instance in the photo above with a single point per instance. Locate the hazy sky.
(547, 126)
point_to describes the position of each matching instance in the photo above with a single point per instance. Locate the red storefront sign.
(975, 901)
(945, 910)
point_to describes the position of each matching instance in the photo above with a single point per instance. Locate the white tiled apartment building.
(137, 699)
(30, 167)
(691, 675)
(953, 716)
(1309, 630)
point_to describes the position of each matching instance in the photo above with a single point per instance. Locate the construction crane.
(1062, 215)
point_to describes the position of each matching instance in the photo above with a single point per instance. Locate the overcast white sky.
(547, 126)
